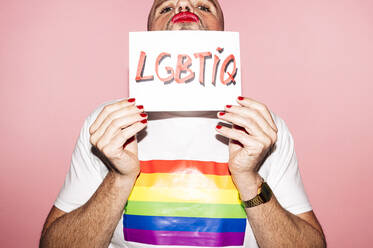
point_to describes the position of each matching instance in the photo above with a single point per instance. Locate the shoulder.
(282, 158)
(281, 153)
(284, 146)
(283, 134)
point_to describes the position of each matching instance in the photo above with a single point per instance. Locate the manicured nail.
(144, 121)
(240, 98)
(131, 100)
(228, 106)
(221, 113)
(140, 107)
(143, 115)
(218, 126)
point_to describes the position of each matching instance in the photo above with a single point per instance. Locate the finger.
(263, 109)
(249, 124)
(114, 116)
(125, 134)
(234, 134)
(255, 115)
(109, 109)
(117, 125)
(129, 143)
(235, 145)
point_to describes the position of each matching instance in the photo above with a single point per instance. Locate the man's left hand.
(251, 137)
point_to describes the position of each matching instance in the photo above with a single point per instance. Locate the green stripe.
(185, 209)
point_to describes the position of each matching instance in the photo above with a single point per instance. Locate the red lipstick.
(185, 17)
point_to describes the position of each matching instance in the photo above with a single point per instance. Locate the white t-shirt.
(184, 196)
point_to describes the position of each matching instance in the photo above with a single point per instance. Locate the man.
(89, 209)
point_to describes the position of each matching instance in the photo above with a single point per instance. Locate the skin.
(209, 13)
(118, 123)
(114, 126)
(249, 144)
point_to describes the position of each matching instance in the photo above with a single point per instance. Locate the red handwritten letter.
(183, 66)
(216, 63)
(202, 60)
(140, 69)
(224, 68)
(169, 69)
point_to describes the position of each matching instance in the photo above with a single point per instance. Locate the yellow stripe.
(180, 194)
(185, 180)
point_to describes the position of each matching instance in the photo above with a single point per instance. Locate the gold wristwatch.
(263, 196)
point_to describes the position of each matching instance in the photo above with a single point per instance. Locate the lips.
(185, 17)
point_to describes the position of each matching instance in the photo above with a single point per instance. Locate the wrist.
(247, 185)
(123, 181)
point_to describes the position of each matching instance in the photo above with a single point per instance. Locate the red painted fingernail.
(144, 121)
(131, 100)
(221, 113)
(240, 98)
(143, 115)
(218, 126)
(140, 107)
(228, 106)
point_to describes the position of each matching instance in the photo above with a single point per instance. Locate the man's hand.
(252, 136)
(114, 134)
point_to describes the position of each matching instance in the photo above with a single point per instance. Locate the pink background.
(309, 61)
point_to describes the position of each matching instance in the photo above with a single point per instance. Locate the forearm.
(93, 224)
(273, 226)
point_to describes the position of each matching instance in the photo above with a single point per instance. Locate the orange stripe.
(190, 181)
(184, 167)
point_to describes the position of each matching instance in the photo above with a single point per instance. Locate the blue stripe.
(190, 224)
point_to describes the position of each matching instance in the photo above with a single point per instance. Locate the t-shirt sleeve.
(284, 177)
(86, 172)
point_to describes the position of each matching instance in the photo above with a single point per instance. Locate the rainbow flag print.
(184, 202)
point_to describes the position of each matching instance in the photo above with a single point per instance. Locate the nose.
(183, 5)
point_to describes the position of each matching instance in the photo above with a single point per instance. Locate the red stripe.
(184, 167)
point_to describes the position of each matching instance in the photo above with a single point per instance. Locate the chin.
(186, 26)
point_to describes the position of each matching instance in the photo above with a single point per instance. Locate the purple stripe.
(184, 238)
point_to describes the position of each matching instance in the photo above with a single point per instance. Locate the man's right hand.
(113, 133)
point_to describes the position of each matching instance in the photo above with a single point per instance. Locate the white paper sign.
(184, 70)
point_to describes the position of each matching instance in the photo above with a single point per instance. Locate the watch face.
(263, 197)
(266, 192)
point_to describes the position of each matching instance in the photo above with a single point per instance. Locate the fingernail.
(131, 100)
(228, 106)
(143, 115)
(140, 107)
(221, 113)
(144, 121)
(218, 126)
(240, 98)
